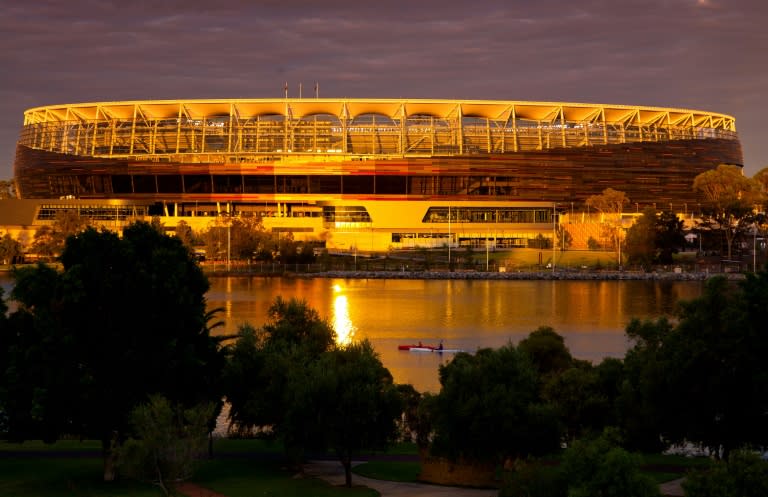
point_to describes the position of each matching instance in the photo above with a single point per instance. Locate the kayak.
(414, 346)
(428, 348)
(444, 351)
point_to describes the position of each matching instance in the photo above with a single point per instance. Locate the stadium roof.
(393, 108)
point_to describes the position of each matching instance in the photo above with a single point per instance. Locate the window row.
(126, 184)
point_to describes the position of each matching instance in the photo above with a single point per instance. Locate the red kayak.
(416, 346)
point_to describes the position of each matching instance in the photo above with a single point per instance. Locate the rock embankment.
(523, 275)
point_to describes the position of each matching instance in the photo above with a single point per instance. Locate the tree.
(168, 441)
(489, 408)
(641, 239)
(703, 380)
(354, 401)
(49, 240)
(761, 177)
(669, 236)
(184, 233)
(611, 204)
(730, 199)
(125, 318)
(262, 364)
(547, 351)
(10, 249)
(564, 238)
(654, 237)
(245, 236)
(7, 190)
(581, 407)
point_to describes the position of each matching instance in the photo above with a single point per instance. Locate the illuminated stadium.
(373, 174)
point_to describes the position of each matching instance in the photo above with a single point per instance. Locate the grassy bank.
(244, 468)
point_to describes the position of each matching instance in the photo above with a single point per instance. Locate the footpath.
(332, 472)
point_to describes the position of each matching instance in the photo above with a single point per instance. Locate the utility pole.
(449, 237)
(554, 235)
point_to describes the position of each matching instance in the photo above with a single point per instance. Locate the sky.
(709, 55)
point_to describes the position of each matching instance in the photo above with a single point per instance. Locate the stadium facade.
(364, 174)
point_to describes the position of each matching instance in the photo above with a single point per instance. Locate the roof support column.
(65, 139)
(202, 142)
(178, 128)
(460, 130)
(541, 143)
(229, 131)
(286, 120)
(94, 123)
(605, 126)
(77, 140)
(113, 136)
(562, 126)
(344, 134)
(433, 135)
(133, 128)
(153, 139)
(515, 145)
(488, 142)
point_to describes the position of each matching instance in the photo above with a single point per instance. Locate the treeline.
(235, 238)
(119, 342)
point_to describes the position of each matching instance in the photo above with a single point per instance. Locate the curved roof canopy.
(395, 109)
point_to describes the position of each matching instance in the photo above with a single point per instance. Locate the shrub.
(533, 478)
(600, 467)
(168, 442)
(744, 475)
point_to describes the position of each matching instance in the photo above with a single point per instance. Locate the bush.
(169, 440)
(533, 478)
(601, 468)
(744, 475)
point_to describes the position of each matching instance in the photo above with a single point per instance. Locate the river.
(464, 314)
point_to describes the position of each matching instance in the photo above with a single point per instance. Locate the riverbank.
(313, 271)
(519, 275)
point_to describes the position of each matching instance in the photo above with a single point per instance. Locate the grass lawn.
(35, 476)
(663, 468)
(406, 471)
(74, 469)
(525, 259)
(244, 477)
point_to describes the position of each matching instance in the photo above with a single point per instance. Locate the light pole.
(754, 248)
(229, 239)
(449, 238)
(554, 235)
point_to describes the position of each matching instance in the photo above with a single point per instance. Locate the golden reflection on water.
(342, 323)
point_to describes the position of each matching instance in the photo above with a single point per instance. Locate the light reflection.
(345, 331)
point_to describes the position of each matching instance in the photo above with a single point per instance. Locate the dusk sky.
(707, 55)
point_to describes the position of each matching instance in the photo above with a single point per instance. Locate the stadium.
(364, 174)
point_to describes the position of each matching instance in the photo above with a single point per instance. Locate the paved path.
(194, 490)
(672, 488)
(333, 473)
